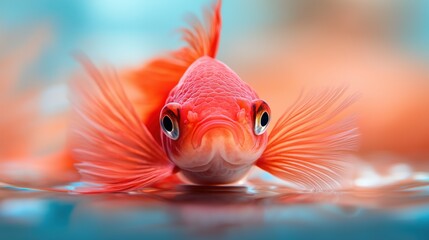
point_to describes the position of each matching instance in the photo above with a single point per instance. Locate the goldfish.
(194, 117)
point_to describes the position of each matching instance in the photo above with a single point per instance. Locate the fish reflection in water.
(225, 211)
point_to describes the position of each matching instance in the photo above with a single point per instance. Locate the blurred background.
(379, 48)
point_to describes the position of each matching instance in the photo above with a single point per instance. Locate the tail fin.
(114, 149)
(308, 145)
(155, 79)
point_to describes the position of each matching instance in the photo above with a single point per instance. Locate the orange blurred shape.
(24, 131)
(353, 46)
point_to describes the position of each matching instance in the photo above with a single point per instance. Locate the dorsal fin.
(153, 82)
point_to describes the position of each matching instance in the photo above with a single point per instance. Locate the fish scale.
(215, 88)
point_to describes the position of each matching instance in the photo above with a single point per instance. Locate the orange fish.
(198, 119)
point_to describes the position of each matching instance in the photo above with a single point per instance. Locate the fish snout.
(218, 129)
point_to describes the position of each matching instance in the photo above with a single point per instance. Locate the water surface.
(398, 211)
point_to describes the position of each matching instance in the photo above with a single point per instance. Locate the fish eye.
(169, 120)
(262, 117)
(167, 123)
(170, 127)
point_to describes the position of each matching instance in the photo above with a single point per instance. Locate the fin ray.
(308, 144)
(114, 150)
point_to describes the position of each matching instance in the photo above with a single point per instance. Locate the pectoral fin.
(308, 146)
(114, 150)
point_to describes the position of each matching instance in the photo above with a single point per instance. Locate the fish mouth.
(215, 163)
(222, 126)
(218, 150)
(216, 172)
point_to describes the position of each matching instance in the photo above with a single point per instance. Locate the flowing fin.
(114, 149)
(154, 81)
(308, 145)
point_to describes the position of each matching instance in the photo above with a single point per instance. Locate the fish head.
(214, 125)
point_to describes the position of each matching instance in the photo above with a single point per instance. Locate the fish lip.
(218, 122)
(216, 174)
(209, 165)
